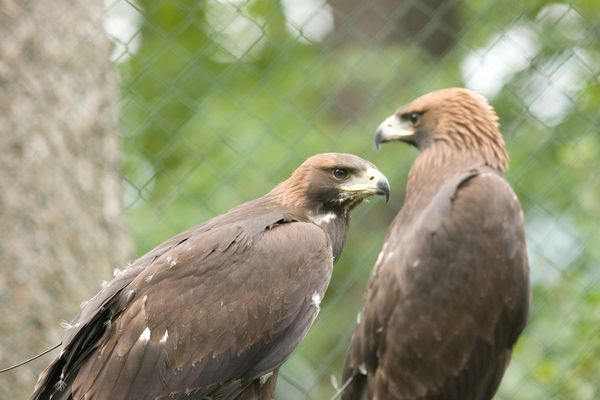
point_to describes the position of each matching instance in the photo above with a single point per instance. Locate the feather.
(216, 309)
(449, 295)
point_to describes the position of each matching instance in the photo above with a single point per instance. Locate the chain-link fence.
(220, 100)
(223, 99)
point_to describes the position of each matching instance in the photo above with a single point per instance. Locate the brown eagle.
(215, 311)
(449, 293)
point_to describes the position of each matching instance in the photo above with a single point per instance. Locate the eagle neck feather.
(469, 126)
(434, 167)
(336, 229)
(333, 221)
(292, 192)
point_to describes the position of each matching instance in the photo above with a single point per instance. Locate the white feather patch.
(65, 324)
(316, 299)
(379, 257)
(145, 336)
(323, 218)
(172, 262)
(265, 378)
(362, 368)
(165, 336)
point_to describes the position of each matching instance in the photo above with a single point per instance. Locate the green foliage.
(221, 101)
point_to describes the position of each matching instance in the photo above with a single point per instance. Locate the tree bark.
(61, 213)
(431, 24)
(428, 25)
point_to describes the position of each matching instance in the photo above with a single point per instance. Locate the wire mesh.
(220, 100)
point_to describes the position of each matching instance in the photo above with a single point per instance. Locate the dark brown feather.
(214, 311)
(449, 294)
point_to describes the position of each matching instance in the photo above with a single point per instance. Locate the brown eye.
(339, 173)
(414, 118)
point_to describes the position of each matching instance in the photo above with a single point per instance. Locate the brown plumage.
(449, 294)
(215, 311)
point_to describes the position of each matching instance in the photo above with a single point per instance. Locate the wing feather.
(450, 298)
(218, 306)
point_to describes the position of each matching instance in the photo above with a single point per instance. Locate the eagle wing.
(207, 314)
(448, 298)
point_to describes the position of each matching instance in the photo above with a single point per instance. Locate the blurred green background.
(221, 100)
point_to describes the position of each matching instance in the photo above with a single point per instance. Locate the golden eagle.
(215, 311)
(449, 293)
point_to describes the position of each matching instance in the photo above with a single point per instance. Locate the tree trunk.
(431, 24)
(428, 25)
(61, 228)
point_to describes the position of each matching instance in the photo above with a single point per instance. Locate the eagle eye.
(414, 118)
(339, 173)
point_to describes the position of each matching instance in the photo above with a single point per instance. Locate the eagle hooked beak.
(393, 129)
(372, 182)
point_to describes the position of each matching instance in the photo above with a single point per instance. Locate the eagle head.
(460, 120)
(332, 182)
